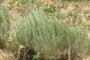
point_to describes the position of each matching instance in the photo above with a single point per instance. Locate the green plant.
(47, 34)
(49, 8)
(4, 23)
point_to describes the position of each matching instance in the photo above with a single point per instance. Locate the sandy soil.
(4, 55)
(86, 58)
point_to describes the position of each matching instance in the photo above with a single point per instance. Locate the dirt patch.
(86, 58)
(6, 55)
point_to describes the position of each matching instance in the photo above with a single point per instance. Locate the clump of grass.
(48, 35)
